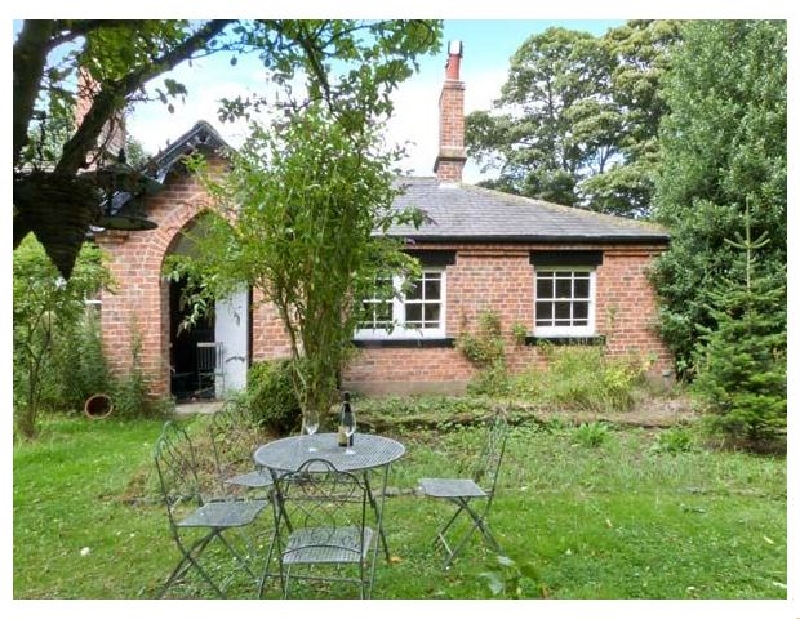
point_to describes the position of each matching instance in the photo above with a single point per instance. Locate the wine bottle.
(341, 437)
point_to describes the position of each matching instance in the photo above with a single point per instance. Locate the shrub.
(581, 378)
(80, 362)
(591, 434)
(130, 395)
(486, 347)
(674, 440)
(492, 380)
(271, 397)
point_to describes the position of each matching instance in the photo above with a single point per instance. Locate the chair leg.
(440, 534)
(188, 560)
(373, 504)
(478, 522)
(266, 565)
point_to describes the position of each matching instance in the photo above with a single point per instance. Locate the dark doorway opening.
(184, 376)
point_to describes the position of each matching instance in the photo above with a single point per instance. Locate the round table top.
(287, 454)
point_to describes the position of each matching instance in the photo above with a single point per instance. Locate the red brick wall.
(483, 278)
(501, 279)
(140, 300)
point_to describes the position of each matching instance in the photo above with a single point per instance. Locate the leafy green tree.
(577, 118)
(721, 147)
(125, 58)
(641, 51)
(297, 218)
(45, 303)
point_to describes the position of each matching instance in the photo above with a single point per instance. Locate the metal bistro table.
(372, 452)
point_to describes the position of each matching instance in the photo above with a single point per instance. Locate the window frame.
(399, 331)
(587, 330)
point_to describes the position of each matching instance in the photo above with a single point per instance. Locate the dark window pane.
(580, 311)
(383, 312)
(544, 313)
(415, 291)
(432, 311)
(413, 313)
(581, 288)
(544, 288)
(562, 311)
(433, 289)
(563, 289)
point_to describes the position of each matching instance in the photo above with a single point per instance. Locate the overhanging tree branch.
(112, 96)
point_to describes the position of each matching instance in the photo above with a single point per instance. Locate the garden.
(591, 503)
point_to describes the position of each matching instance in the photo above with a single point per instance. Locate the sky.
(488, 46)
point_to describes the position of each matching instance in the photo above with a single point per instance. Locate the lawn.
(611, 518)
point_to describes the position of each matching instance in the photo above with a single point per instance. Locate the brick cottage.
(566, 275)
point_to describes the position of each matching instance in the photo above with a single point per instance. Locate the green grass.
(610, 520)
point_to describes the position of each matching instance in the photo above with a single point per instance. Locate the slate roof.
(202, 134)
(462, 212)
(465, 213)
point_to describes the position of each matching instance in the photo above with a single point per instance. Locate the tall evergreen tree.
(722, 146)
(741, 367)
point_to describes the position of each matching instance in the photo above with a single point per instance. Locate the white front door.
(230, 328)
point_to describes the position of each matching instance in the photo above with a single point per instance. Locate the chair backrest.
(318, 496)
(209, 356)
(177, 472)
(234, 437)
(487, 468)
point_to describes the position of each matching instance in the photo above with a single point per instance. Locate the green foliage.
(79, 363)
(722, 147)
(591, 434)
(520, 331)
(485, 349)
(577, 119)
(513, 579)
(46, 305)
(128, 59)
(271, 398)
(492, 380)
(130, 392)
(582, 378)
(742, 365)
(677, 439)
(486, 346)
(304, 199)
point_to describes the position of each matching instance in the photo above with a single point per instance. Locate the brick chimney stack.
(452, 151)
(112, 137)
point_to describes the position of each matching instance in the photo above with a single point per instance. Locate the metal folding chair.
(462, 492)
(322, 532)
(196, 521)
(210, 370)
(234, 438)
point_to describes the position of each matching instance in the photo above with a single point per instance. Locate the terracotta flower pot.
(98, 406)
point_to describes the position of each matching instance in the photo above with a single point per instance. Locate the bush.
(485, 348)
(80, 363)
(591, 434)
(674, 440)
(271, 397)
(130, 395)
(492, 380)
(582, 378)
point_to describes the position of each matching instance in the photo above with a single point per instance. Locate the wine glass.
(312, 423)
(349, 431)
